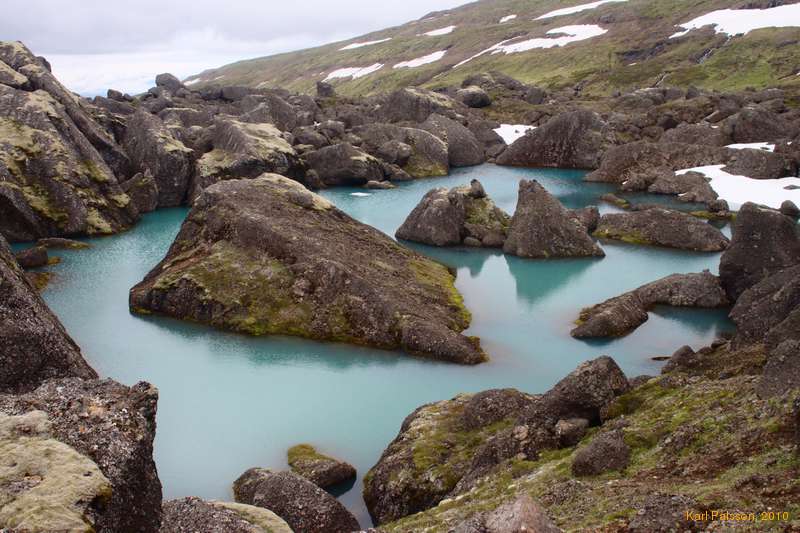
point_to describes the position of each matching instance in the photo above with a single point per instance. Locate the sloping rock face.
(303, 505)
(662, 227)
(343, 164)
(428, 155)
(105, 424)
(188, 515)
(543, 228)
(55, 173)
(322, 470)
(570, 140)
(463, 149)
(243, 150)
(34, 346)
(443, 449)
(267, 256)
(452, 217)
(764, 242)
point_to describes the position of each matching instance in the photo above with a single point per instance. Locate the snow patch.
(353, 46)
(440, 31)
(512, 132)
(754, 146)
(424, 60)
(192, 82)
(571, 34)
(737, 190)
(507, 18)
(741, 21)
(577, 9)
(353, 72)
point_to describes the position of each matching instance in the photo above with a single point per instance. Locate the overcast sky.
(94, 45)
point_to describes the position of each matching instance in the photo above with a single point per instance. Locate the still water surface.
(229, 402)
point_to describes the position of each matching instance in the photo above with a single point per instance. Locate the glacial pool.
(229, 402)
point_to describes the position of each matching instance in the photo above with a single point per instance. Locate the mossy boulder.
(463, 148)
(429, 154)
(657, 226)
(320, 469)
(267, 256)
(186, 515)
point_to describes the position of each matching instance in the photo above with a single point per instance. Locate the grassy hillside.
(636, 51)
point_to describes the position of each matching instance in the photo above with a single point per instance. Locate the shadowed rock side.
(34, 346)
(190, 515)
(303, 505)
(322, 470)
(543, 228)
(662, 227)
(86, 426)
(57, 166)
(267, 256)
(444, 449)
(622, 314)
(462, 215)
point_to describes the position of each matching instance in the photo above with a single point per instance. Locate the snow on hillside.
(741, 21)
(354, 72)
(440, 31)
(577, 9)
(507, 18)
(424, 60)
(353, 46)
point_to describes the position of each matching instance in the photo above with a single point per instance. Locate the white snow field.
(353, 46)
(424, 60)
(507, 18)
(353, 72)
(571, 34)
(440, 31)
(754, 146)
(512, 132)
(576, 9)
(741, 21)
(737, 190)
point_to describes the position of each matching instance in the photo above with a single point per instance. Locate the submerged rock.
(34, 257)
(267, 256)
(190, 515)
(97, 424)
(543, 228)
(321, 470)
(303, 505)
(662, 227)
(621, 314)
(34, 346)
(452, 217)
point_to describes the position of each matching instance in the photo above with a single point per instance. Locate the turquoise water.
(230, 402)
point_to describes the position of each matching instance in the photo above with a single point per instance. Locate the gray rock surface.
(662, 227)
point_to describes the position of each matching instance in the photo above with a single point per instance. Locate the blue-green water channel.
(230, 402)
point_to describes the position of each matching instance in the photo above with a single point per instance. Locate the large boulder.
(190, 515)
(142, 189)
(765, 306)
(456, 216)
(243, 150)
(429, 155)
(303, 505)
(343, 164)
(413, 104)
(463, 149)
(152, 148)
(606, 452)
(705, 134)
(662, 227)
(575, 139)
(169, 82)
(621, 314)
(474, 96)
(759, 164)
(764, 242)
(688, 187)
(267, 256)
(82, 426)
(321, 470)
(34, 346)
(543, 228)
(757, 124)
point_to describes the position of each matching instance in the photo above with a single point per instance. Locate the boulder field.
(267, 256)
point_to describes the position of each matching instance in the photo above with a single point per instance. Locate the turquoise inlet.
(230, 402)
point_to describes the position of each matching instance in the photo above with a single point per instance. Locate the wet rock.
(321, 470)
(303, 505)
(606, 452)
(60, 243)
(474, 96)
(190, 515)
(570, 140)
(450, 217)
(34, 257)
(543, 228)
(463, 149)
(764, 242)
(267, 256)
(34, 346)
(343, 164)
(429, 155)
(152, 147)
(622, 314)
(689, 187)
(662, 227)
(113, 426)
